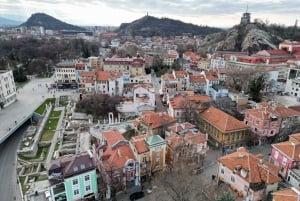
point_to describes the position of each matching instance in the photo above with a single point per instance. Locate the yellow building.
(136, 65)
(224, 131)
(150, 151)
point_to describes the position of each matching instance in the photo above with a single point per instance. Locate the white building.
(110, 83)
(7, 88)
(293, 82)
(216, 63)
(142, 99)
(64, 75)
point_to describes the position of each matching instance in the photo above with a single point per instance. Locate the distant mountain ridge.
(49, 22)
(8, 22)
(148, 26)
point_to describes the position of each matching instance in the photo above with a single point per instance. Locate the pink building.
(264, 122)
(286, 155)
(248, 175)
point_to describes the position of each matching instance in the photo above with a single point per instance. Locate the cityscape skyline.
(215, 13)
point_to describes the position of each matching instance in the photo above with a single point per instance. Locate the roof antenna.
(247, 9)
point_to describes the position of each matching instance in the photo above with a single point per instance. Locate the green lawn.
(51, 124)
(55, 113)
(42, 107)
(47, 136)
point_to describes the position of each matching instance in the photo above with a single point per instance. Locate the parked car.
(136, 195)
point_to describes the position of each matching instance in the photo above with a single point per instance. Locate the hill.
(151, 26)
(8, 22)
(250, 38)
(49, 22)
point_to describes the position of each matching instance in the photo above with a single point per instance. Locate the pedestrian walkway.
(29, 98)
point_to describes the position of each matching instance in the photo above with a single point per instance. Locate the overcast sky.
(220, 13)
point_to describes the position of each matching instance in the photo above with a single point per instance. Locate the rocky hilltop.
(250, 38)
(151, 26)
(49, 22)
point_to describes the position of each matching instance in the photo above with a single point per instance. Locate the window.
(284, 160)
(75, 181)
(76, 192)
(88, 188)
(86, 177)
(232, 178)
(222, 171)
(276, 154)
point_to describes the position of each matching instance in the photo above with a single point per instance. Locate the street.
(8, 157)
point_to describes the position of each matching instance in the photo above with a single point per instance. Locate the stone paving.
(29, 98)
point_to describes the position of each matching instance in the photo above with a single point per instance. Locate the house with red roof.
(197, 83)
(116, 161)
(224, 131)
(170, 57)
(286, 155)
(135, 66)
(270, 120)
(287, 194)
(249, 175)
(150, 151)
(273, 56)
(110, 83)
(290, 46)
(181, 106)
(185, 143)
(153, 123)
(87, 80)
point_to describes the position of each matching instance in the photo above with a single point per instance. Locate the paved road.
(30, 96)
(8, 174)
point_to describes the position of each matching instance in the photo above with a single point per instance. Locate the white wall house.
(65, 73)
(7, 88)
(143, 99)
(293, 82)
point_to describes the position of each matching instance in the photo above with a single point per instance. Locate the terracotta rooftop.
(197, 79)
(155, 120)
(289, 194)
(265, 109)
(290, 148)
(118, 151)
(102, 75)
(222, 121)
(179, 101)
(250, 167)
(139, 143)
(211, 75)
(179, 127)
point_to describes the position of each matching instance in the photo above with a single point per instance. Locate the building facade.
(73, 178)
(224, 131)
(7, 89)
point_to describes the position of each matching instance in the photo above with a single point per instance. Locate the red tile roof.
(250, 167)
(179, 101)
(289, 194)
(222, 121)
(102, 76)
(118, 151)
(197, 79)
(140, 144)
(290, 148)
(156, 120)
